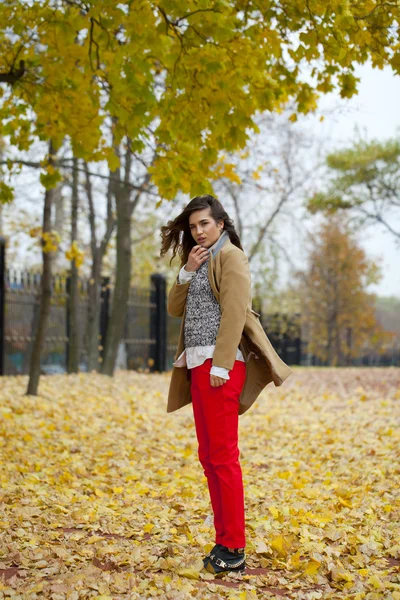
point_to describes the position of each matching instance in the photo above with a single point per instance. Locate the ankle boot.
(212, 551)
(226, 559)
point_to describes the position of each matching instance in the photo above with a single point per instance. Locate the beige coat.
(230, 280)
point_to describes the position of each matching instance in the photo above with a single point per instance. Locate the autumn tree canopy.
(190, 74)
(338, 311)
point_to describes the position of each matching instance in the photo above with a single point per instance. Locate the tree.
(196, 74)
(337, 311)
(73, 290)
(98, 251)
(49, 242)
(274, 174)
(365, 184)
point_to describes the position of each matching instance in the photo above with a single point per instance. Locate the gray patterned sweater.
(203, 313)
(203, 316)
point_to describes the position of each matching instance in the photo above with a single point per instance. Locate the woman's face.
(203, 228)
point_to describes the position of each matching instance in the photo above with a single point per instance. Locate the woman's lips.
(201, 239)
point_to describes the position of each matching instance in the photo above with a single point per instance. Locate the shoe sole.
(217, 569)
(210, 569)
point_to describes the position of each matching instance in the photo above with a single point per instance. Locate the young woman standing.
(212, 293)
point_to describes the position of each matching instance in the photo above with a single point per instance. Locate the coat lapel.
(214, 263)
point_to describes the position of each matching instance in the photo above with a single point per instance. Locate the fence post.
(2, 301)
(158, 322)
(104, 312)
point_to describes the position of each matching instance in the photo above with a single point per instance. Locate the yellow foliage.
(34, 231)
(226, 170)
(118, 503)
(201, 72)
(51, 240)
(75, 254)
(338, 267)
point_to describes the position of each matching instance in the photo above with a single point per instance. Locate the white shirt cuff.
(220, 372)
(185, 276)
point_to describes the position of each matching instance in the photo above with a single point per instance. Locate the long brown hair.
(177, 234)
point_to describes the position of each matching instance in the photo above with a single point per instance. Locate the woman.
(223, 360)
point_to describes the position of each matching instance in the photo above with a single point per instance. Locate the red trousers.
(216, 416)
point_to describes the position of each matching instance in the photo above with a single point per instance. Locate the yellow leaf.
(189, 573)
(375, 581)
(274, 511)
(94, 538)
(340, 574)
(311, 567)
(295, 559)
(311, 492)
(345, 502)
(284, 474)
(281, 544)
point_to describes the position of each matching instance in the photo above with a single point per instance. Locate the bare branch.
(14, 74)
(64, 163)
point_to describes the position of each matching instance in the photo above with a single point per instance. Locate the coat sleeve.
(235, 295)
(177, 298)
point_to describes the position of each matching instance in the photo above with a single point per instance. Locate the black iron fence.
(143, 344)
(150, 334)
(21, 314)
(284, 333)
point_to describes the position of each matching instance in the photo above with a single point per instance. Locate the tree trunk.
(122, 193)
(330, 337)
(73, 301)
(45, 293)
(93, 315)
(1, 205)
(94, 290)
(122, 280)
(122, 190)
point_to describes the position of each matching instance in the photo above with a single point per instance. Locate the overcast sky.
(375, 110)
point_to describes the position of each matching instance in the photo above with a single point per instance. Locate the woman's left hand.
(216, 381)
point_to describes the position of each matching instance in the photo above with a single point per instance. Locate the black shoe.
(225, 560)
(212, 551)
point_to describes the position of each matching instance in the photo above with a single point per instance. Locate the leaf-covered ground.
(102, 494)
